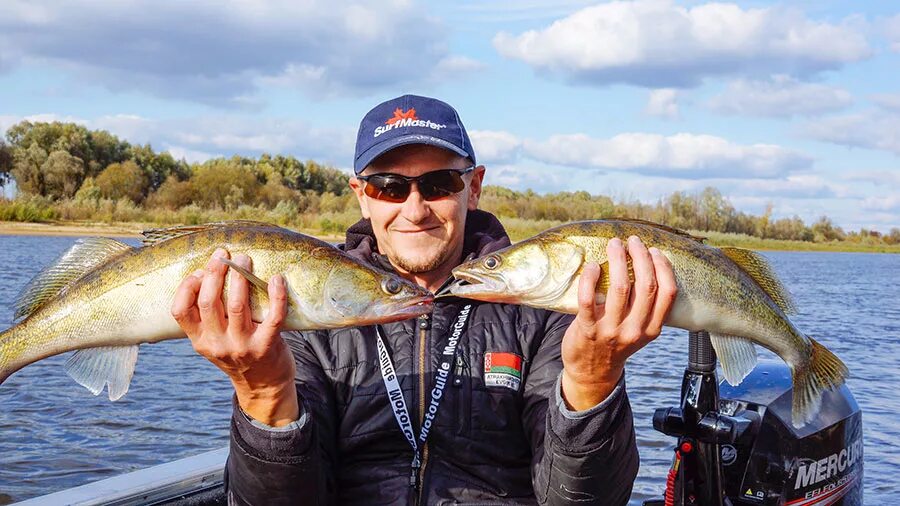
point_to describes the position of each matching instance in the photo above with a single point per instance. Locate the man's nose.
(415, 209)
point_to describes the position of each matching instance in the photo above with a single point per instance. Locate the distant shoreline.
(133, 230)
(93, 229)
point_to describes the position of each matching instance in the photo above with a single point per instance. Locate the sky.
(790, 105)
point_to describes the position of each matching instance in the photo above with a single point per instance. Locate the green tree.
(27, 169)
(6, 163)
(62, 174)
(123, 180)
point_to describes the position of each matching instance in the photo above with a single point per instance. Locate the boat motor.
(736, 445)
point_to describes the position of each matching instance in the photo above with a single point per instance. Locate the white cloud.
(685, 155)
(889, 178)
(892, 31)
(493, 146)
(889, 203)
(663, 103)
(220, 53)
(656, 43)
(872, 129)
(888, 101)
(779, 96)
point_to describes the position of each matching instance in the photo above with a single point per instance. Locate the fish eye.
(492, 262)
(391, 286)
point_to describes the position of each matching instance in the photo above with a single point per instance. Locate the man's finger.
(643, 294)
(184, 306)
(239, 317)
(616, 304)
(277, 306)
(667, 290)
(587, 289)
(212, 311)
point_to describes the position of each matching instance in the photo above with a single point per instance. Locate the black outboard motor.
(737, 446)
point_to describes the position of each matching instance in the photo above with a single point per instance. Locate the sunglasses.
(432, 185)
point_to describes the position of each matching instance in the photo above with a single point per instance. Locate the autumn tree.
(62, 174)
(27, 169)
(123, 180)
(6, 163)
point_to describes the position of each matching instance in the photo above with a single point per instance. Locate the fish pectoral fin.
(109, 366)
(603, 284)
(252, 278)
(736, 355)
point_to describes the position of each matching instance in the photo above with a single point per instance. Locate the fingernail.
(220, 253)
(198, 273)
(654, 251)
(615, 241)
(634, 239)
(278, 280)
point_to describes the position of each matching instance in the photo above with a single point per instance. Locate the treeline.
(707, 210)
(65, 171)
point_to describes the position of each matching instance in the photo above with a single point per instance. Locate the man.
(518, 405)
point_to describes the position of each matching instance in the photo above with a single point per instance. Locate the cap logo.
(399, 115)
(403, 119)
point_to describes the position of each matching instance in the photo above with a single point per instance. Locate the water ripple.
(56, 435)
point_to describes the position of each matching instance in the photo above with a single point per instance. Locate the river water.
(54, 434)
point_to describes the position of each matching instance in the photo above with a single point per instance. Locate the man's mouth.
(415, 230)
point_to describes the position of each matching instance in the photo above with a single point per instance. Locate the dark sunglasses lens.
(440, 184)
(386, 187)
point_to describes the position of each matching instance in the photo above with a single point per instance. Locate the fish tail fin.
(825, 372)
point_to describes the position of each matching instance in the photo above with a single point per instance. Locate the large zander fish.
(730, 292)
(104, 297)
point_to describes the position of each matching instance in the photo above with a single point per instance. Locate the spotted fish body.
(104, 297)
(730, 292)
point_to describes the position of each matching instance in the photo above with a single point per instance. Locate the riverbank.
(516, 230)
(95, 229)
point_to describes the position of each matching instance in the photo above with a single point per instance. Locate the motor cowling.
(820, 463)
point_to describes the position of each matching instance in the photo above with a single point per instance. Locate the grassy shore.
(518, 229)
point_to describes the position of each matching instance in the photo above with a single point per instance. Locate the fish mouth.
(471, 286)
(405, 309)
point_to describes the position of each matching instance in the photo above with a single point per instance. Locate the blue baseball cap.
(410, 119)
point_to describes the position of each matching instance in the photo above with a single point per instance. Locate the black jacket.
(490, 444)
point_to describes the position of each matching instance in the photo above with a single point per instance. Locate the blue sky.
(794, 105)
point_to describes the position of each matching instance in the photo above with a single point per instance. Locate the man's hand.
(603, 336)
(255, 358)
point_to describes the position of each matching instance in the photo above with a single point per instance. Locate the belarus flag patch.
(502, 370)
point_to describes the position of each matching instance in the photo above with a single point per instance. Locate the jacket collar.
(483, 234)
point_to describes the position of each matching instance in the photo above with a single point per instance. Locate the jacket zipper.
(424, 327)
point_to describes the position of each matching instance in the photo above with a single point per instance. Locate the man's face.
(416, 235)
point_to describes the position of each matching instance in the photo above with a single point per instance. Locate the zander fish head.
(343, 292)
(535, 272)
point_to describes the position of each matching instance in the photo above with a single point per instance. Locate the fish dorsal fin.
(108, 366)
(660, 226)
(158, 235)
(81, 258)
(759, 269)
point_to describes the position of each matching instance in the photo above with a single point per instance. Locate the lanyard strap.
(441, 378)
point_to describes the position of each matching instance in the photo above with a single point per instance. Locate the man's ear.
(357, 186)
(475, 188)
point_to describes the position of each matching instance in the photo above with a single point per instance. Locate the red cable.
(670, 480)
